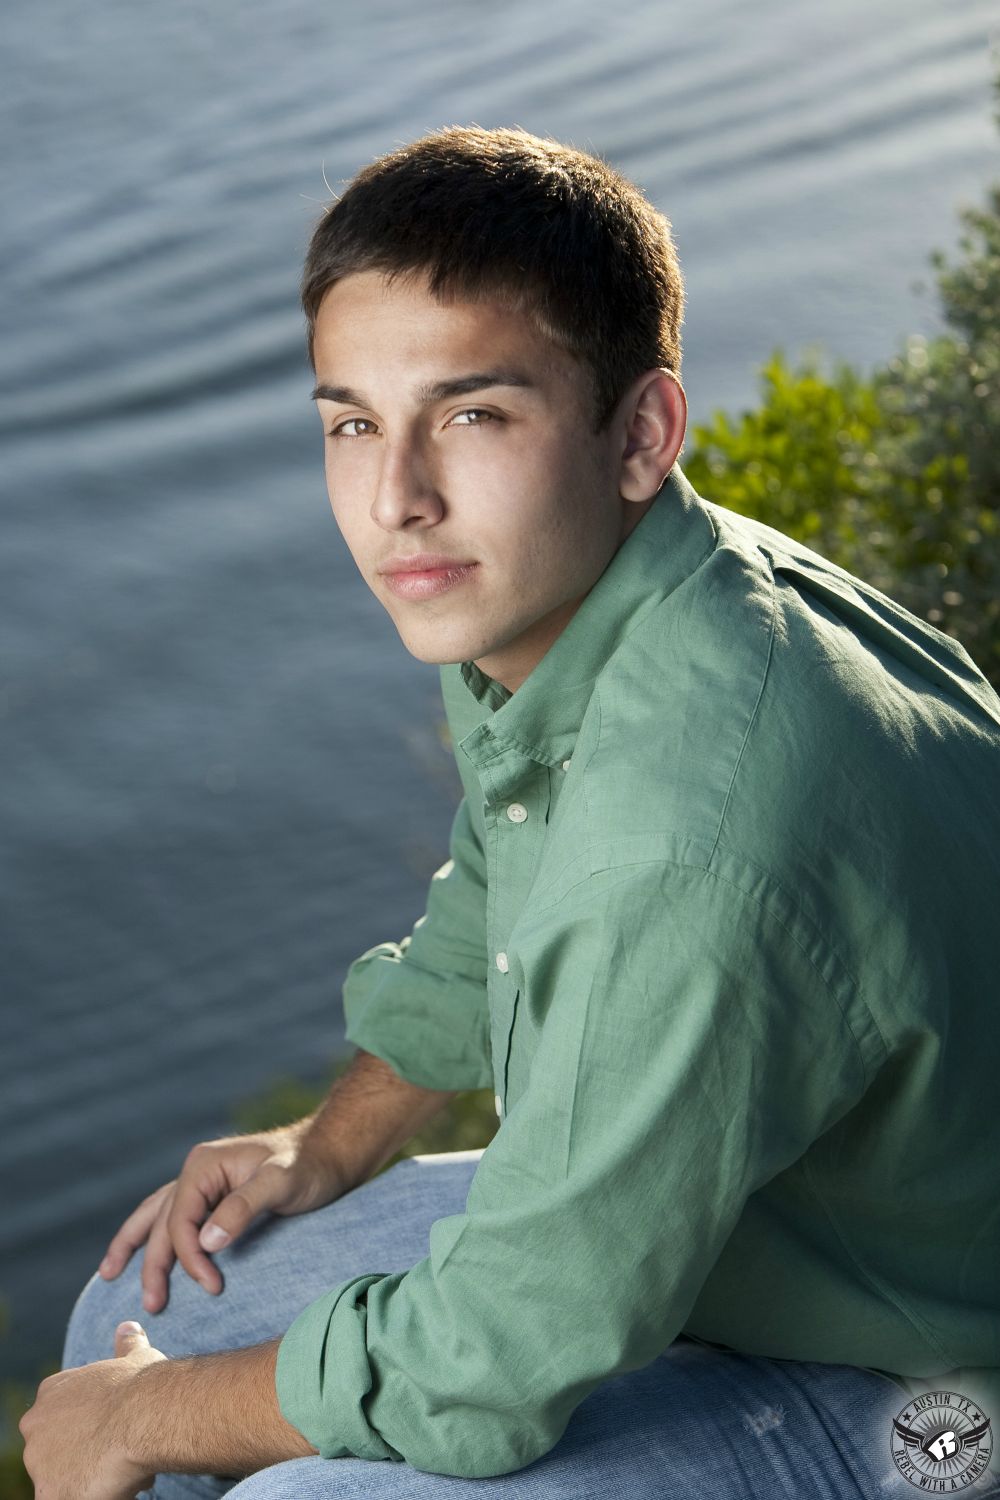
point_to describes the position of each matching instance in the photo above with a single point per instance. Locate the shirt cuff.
(332, 1420)
(432, 1029)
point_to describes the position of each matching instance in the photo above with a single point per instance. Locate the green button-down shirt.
(718, 927)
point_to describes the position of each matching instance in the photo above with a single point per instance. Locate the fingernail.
(130, 1327)
(105, 1266)
(213, 1237)
(149, 1301)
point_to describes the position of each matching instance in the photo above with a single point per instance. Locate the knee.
(296, 1479)
(190, 1323)
(100, 1307)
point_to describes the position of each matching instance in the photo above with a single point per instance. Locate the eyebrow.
(437, 390)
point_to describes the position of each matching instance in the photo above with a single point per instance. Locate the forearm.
(210, 1414)
(368, 1115)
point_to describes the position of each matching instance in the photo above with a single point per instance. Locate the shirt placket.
(516, 793)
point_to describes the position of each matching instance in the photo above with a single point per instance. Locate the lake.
(224, 776)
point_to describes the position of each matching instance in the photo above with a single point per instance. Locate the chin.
(434, 658)
(437, 653)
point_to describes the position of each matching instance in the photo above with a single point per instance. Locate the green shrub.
(895, 477)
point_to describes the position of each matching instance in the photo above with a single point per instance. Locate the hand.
(234, 1181)
(73, 1446)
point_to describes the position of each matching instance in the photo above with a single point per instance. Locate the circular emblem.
(941, 1442)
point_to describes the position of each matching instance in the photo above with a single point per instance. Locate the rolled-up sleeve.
(677, 1048)
(420, 1004)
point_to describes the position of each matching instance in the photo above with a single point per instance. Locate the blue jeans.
(697, 1422)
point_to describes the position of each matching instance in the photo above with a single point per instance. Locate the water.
(223, 775)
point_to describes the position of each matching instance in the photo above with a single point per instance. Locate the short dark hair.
(525, 220)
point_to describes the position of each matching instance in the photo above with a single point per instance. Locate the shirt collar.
(542, 719)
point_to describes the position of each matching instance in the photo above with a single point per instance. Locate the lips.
(424, 562)
(423, 583)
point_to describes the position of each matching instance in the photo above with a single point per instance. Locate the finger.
(230, 1218)
(193, 1202)
(133, 1233)
(264, 1189)
(129, 1336)
(156, 1265)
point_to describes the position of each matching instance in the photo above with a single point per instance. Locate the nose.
(406, 484)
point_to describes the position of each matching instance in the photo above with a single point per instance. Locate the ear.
(654, 414)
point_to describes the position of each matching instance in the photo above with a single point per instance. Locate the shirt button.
(501, 962)
(566, 765)
(517, 812)
(498, 1106)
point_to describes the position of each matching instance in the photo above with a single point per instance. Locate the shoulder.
(777, 707)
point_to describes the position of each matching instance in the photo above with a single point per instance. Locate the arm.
(367, 1116)
(673, 1049)
(210, 1414)
(224, 1185)
(104, 1431)
(420, 1004)
(100, 1431)
(417, 1012)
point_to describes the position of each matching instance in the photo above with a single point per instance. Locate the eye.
(473, 411)
(338, 431)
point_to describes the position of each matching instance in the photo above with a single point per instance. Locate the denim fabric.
(697, 1421)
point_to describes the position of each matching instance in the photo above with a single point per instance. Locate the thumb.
(264, 1189)
(129, 1336)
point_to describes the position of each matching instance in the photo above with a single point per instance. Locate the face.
(459, 430)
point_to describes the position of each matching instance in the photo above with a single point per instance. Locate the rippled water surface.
(223, 775)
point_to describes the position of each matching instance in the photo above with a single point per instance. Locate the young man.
(716, 927)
